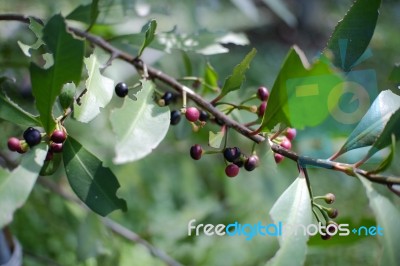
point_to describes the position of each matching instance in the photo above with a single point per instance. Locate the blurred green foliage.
(167, 189)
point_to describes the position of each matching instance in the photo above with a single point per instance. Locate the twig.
(110, 224)
(242, 129)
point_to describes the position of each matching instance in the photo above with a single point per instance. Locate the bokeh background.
(167, 189)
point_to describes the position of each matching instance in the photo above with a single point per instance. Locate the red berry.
(251, 163)
(232, 170)
(278, 157)
(263, 93)
(192, 114)
(286, 143)
(56, 147)
(58, 136)
(14, 144)
(261, 109)
(196, 151)
(291, 133)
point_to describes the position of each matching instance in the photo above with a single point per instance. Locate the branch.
(110, 224)
(154, 73)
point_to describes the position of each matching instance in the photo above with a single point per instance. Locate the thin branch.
(110, 224)
(205, 105)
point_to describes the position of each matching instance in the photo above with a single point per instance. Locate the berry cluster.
(235, 158)
(285, 140)
(328, 214)
(32, 137)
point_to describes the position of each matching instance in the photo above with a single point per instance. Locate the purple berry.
(332, 213)
(121, 89)
(58, 136)
(232, 170)
(231, 154)
(32, 136)
(251, 163)
(192, 114)
(56, 147)
(291, 133)
(196, 151)
(278, 157)
(14, 144)
(263, 93)
(286, 143)
(261, 109)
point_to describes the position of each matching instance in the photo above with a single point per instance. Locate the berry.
(251, 163)
(291, 133)
(329, 198)
(331, 228)
(203, 116)
(32, 136)
(232, 170)
(332, 213)
(175, 117)
(56, 147)
(121, 89)
(49, 156)
(261, 109)
(326, 236)
(196, 151)
(168, 97)
(231, 154)
(58, 136)
(263, 93)
(14, 144)
(219, 121)
(278, 157)
(192, 114)
(286, 143)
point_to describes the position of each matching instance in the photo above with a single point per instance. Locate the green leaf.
(50, 167)
(86, 13)
(301, 92)
(388, 160)
(139, 125)
(47, 83)
(395, 74)
(11, 112)
(99, 92)
(67, 95)
(387, 217)
(149, 29)
(293, 207)
(215, 139)
(94, 184)
(210, 78)
(16, 186)
(236, 79)
(377, 125)
(353, 33)
(36, 28)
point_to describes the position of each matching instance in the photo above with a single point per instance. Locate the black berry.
(175, 117)
(32, 136)
(203, 116)
(232, 170)
(251, 163)
(192, 114)
(168, 97)
(58, 136)
(121, 89)
(263, 93)
(231, 154)
(239, 162)
(196, 151)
